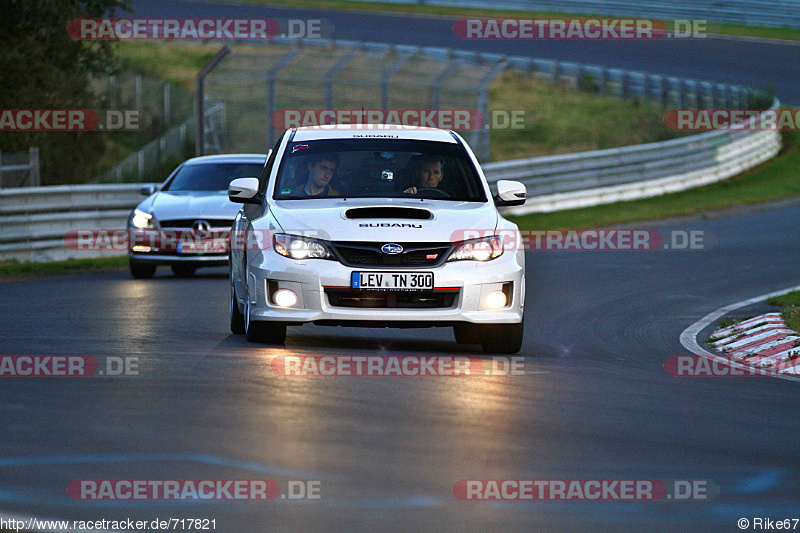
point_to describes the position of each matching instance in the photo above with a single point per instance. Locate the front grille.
(186, 223)
(391, 299)
(422, 254)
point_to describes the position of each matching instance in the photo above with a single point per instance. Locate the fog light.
(285, 298)
(496, 300)
(141, 248)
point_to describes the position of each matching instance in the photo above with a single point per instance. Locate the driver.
(429, 174)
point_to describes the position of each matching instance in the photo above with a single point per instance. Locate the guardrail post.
(33, 159)
(1, 170)
(480, 136)
(138, 85)
(200, 104)
(397, 65)
(270, 77)
(331, 75)
(698, 95)
(166, 103)
(436, 88)
(625, 85)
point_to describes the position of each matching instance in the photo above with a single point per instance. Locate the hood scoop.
(410, 213)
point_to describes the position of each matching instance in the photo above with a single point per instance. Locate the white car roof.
(372, 131)
(227, 158)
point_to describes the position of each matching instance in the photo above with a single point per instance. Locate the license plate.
(202, 247)
(410, 281)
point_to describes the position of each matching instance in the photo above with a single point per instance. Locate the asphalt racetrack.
(595, 401)
(760, 64)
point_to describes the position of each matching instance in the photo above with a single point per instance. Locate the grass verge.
(775, 180)
(737, 30)
(560, 119)
(176, 63)
(13, 271)
(791, 308)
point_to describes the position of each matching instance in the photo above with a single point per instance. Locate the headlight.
(484, 249)
(142, 220)
(296, 247)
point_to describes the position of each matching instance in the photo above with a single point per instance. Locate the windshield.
(378, 168)
(211, 176)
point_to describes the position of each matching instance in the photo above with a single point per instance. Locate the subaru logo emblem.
(392, 249)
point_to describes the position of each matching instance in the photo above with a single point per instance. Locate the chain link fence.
(256, 84)
(159, 104)
(312, 74)
(166, 125)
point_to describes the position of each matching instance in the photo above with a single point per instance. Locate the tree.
(42, 67)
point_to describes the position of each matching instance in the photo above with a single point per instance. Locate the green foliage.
(42, 67)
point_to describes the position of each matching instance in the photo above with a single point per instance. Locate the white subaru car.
(361, 226)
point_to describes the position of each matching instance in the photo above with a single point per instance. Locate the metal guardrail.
(33, 221)
(571, 181)
(774, 13)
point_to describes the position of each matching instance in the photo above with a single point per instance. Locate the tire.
(502, 338)
(260, 331)
(142, 271)
(183, 271)
(237, 318)
(467, 333)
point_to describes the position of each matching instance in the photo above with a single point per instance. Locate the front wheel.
(237, 318)
(141, 271)
(466, 333)
(501, 338)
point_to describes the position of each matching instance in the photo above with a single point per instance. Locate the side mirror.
(510, 193)
(244, 191)
(147, 190)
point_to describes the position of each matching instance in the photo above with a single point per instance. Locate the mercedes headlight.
(484, 249)
(142, 220)
(296, 247)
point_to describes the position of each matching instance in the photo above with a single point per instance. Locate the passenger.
(321, 169)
